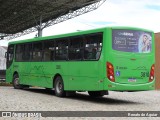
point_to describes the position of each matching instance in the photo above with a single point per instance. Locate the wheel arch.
(54, 78)
(15, 72)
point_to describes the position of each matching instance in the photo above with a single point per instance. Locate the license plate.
(132, 80)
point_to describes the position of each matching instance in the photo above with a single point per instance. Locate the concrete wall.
(2, 58)
(157, 64)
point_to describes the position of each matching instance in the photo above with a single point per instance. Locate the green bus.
(97, 61)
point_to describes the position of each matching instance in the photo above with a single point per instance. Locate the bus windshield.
(131, 41)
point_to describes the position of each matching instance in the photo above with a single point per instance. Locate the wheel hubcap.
(59, 87)
(16, 81)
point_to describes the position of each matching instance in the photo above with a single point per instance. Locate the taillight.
(110, 72)
(151, 77)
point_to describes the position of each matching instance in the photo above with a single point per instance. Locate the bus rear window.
(131, 41)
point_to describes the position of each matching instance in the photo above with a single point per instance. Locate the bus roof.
(77, 33)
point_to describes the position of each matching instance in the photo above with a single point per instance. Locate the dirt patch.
(5, 84)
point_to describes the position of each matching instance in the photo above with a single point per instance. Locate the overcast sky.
(136, 13)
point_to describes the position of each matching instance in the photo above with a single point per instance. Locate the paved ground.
(34, 99)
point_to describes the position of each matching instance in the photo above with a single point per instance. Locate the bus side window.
(26, 53)
(18, 53)
(99, 48)
(61, 50)
(76, 48)
(48, 51)
(93, 44)
(37, 51)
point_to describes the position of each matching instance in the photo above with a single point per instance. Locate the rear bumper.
(108, 85)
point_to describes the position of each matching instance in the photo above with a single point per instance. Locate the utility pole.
(40, 27)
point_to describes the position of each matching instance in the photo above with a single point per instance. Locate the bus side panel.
(57, 68)
(38, 74)
(84, 76)
(9, 74)
(42, 74)
(20, 69)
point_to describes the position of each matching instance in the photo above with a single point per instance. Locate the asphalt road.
(38, 99)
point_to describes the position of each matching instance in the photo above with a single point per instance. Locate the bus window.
(76, 48)
(61, 49)
(48, 51)
(26, 53)
(19, 54)
(93, 44)
(37, 51)
(10, 55)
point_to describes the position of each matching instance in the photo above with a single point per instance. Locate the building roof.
(19, 15)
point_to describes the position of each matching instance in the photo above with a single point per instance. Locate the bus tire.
(59, 87)
(16, 84)
(70, 93)
(95, 93)
(25, 86)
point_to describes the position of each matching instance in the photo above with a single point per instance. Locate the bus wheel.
(16, 84)
(95, 93)
(59, 87)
